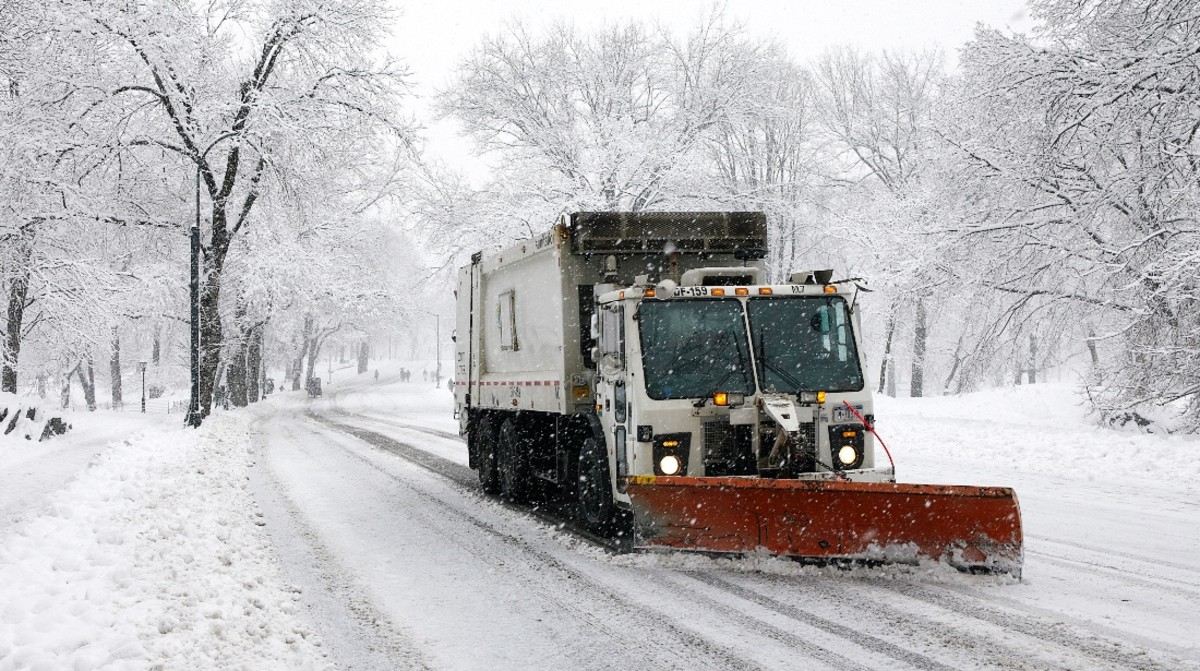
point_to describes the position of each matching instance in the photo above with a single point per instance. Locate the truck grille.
(718, 441)
(727, 449)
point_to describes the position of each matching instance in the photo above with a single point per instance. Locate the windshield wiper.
(762, 360)
(787, 377)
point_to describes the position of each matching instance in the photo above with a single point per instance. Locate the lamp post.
(437, 344)
(193, 416)
(142, 370)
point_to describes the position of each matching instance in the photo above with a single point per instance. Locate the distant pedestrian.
(376, 374)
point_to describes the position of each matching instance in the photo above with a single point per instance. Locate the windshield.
(804, 344)
(692, 348)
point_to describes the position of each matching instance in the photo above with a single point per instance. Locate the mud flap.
(971, 528)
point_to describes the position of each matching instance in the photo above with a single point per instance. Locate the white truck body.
(524, 353)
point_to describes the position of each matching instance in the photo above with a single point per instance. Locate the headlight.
(671, 453)
(847, 455)
(669, 465)
(848, 445)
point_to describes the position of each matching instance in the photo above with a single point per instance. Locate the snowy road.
(404, 564)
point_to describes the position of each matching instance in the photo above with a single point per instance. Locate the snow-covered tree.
(235, 90)
(875, 111)
(1089, 133)
(615, 118)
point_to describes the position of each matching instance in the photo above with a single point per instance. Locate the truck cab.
(721, 375)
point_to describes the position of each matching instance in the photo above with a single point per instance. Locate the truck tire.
(594, 494)
(512, 463)
(485, 440)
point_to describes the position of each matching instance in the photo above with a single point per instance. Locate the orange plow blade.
(972, 528)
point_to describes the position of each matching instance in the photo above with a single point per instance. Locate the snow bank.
(152, 559)
(16, 422)
(1039, 428)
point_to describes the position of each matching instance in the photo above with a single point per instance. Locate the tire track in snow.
(638, 618)
(790, 638)
(420, 429)
(440, 519)
(850, 634)
(373, 418)
(1044, 630)
(1000, 653)
(457, 473)
(1111, 552)
(373, 629)
(468, 479)
(1149, 571)
(1175, 587)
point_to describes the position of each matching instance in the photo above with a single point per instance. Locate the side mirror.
(595, 327)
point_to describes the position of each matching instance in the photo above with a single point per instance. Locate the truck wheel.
(512, 464)
(485, 439)
(596, 509)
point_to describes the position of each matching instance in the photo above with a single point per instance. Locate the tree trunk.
(920, 335)
(364, 351)
(1092, 351)
(236, 373)
(114, 369)
(87, 378)
(254, 364)
(66, 390)
(958, 359)
(314, 348)
(211, 336)
(1032, 359)
(156, 354)
(887, 354)
(18, 294)
(305, 343)
(298, 369)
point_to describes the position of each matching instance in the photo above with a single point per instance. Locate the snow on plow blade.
(972, 528)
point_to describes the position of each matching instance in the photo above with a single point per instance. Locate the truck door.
(612, 387)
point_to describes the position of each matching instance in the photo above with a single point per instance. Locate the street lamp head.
(142, 366)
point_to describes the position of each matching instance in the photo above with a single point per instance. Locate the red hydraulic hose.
(872, 430)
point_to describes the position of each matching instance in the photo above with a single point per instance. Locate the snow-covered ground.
(132, 543)
(301, 534)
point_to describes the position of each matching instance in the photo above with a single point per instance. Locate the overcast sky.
(433, 35)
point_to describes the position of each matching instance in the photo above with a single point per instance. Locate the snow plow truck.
(640, 366)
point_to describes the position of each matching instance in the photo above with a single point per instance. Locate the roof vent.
(721, 277)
